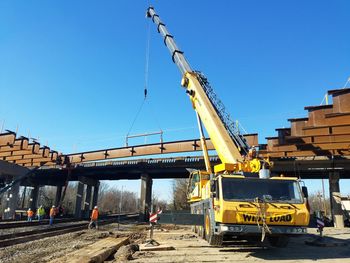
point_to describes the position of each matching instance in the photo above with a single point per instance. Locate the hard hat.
(29, 209)
(95, 207)
(53, 206)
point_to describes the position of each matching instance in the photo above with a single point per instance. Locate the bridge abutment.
(87, 203)
(11, 201)
(95, 195)
(58, 195)
(335, 198)
(34, 196)
(78, 199)
(146, 197)
(85, 185)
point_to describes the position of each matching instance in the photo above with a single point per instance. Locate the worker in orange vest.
(52, 214)
(30, 215)
(94, 218)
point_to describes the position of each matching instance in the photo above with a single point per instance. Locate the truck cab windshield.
(283, 191)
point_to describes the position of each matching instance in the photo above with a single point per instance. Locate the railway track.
(14, 224)
(27, 236)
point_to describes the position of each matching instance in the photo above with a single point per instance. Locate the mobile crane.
(238, 198)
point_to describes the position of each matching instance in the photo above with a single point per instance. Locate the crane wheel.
(213, 240)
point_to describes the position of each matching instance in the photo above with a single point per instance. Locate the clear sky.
(72, 72)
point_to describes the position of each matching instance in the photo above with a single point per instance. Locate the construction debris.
(97, 252)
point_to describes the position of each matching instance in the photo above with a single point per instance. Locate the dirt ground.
(189, 248)
(47, 249)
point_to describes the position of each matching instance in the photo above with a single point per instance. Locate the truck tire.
(281, 241)
(213, 240)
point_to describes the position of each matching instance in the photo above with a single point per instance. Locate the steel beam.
(7, 139)
(19, 144)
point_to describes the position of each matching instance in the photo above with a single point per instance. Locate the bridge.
(317, 146)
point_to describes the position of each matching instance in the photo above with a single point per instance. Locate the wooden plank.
(96, 252)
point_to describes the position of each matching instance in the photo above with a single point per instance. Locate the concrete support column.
(335, 198)
(146, 197)
(58, 195)
(34, 196)
(87, 203)
(95, 195)
(79, 198)
(11, 202)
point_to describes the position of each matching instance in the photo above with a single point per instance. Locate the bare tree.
(317, 203)
(180, 201)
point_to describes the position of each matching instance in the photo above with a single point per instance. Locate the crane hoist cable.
(147, 57)
(146, 81)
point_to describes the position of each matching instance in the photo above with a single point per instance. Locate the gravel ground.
(30, 228)
(190, 248)
(47, 249)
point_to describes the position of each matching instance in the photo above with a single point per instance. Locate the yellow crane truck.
(239, 198)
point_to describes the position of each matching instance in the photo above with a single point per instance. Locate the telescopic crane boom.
(231, 147)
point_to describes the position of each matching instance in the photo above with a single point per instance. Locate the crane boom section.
(226, 149)
(229, 146)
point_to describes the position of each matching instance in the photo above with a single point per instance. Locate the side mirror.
(304, 190)
(212, 186)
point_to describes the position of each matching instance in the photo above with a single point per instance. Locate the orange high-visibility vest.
(94, 214)
(30, 213)
(52, 211)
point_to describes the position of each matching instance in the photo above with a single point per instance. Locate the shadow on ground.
(296, 250)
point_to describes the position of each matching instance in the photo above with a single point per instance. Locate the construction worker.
(52, 214)
(94, 218)
(30, 215)
(40, 213)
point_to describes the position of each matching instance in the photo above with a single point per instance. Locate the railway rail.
(27, 236)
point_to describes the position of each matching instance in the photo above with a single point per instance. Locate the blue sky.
(72, 72)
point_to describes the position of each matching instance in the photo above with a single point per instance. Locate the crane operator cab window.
(194, 184)
(284, 191)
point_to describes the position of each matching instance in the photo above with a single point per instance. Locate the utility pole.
(120, 205)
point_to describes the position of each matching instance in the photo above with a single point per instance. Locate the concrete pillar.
(146, 197)
(335, 198)
(34, 196)
(95, 196)
(11, 202)
(58, 195)
(87, 203)
(79, 198)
